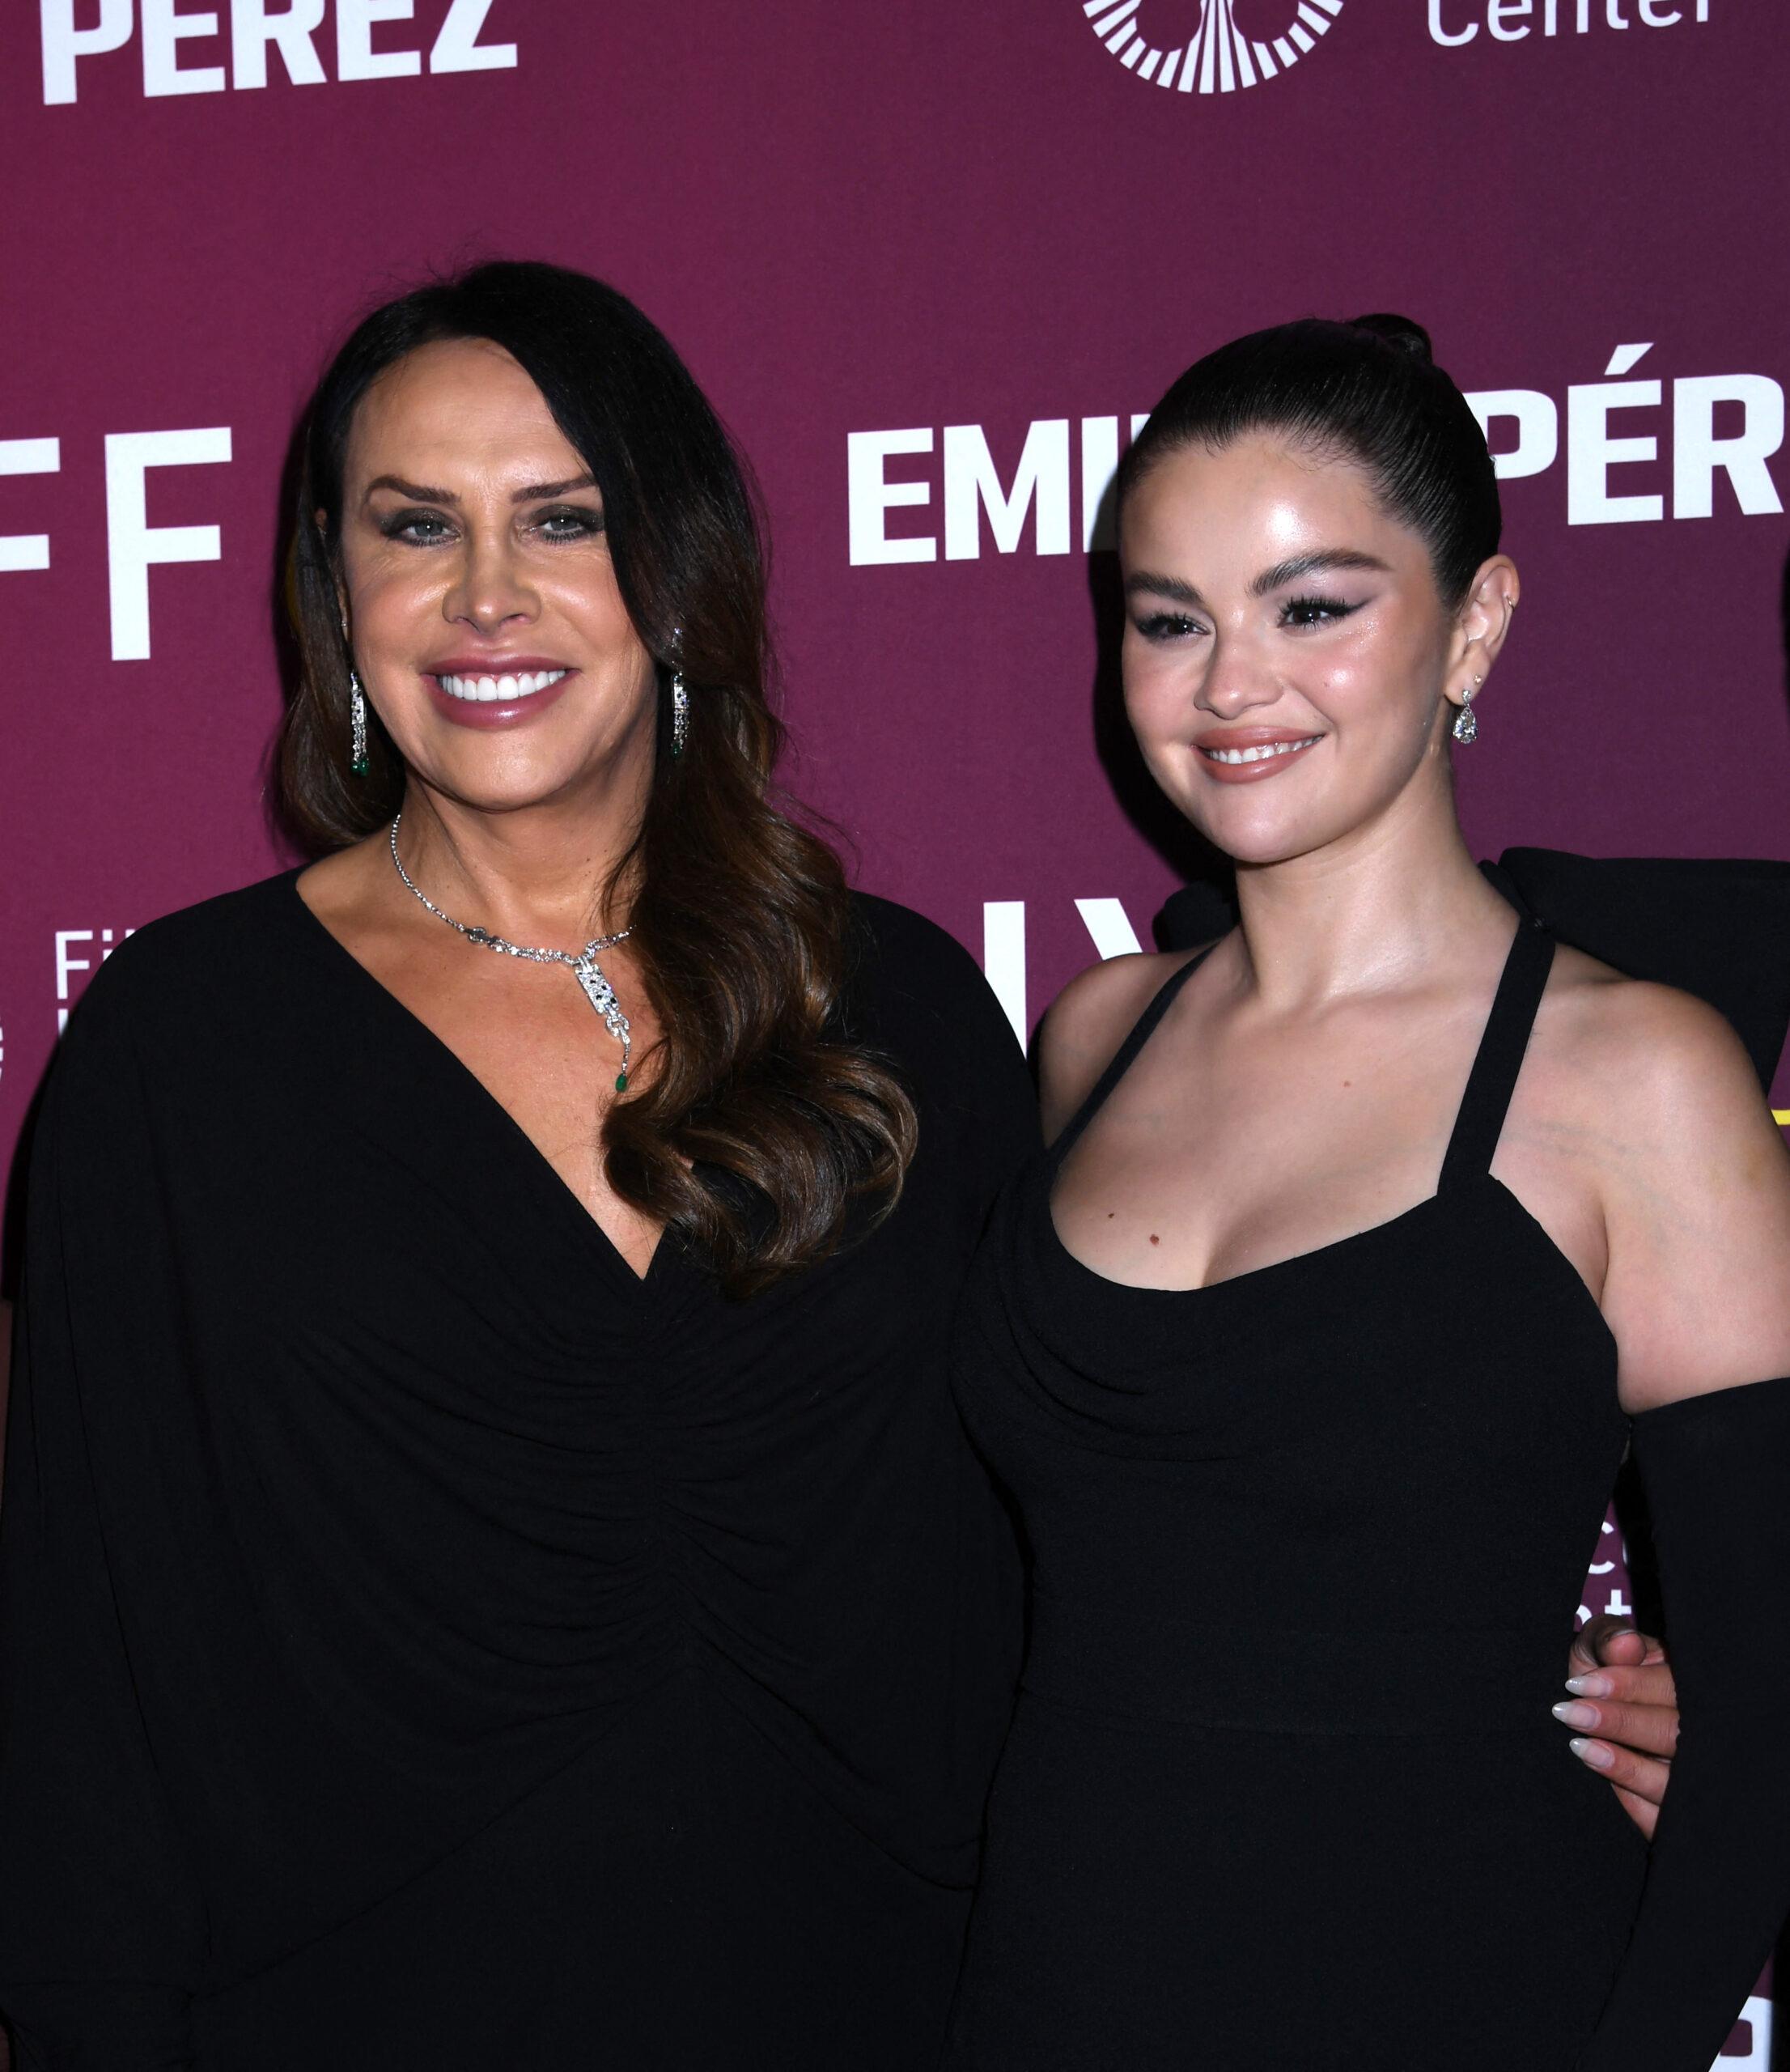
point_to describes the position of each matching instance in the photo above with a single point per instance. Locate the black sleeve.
(102, 1930)
(1715, 1470)
(924, 998)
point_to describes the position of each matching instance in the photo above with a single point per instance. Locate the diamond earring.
(679, 697)
(356, 726)
(1466, 720)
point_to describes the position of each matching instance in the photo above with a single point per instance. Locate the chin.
(1248, 830)
(1261, 847)
(496, 781)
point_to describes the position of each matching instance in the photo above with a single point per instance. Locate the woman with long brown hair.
(450, 1623)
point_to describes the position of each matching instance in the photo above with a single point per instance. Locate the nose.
(1236, 680)
(489, 591)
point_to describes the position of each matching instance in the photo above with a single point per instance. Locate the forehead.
(459, 402)
(1255, 501)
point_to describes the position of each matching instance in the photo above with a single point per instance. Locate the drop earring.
(356, 726)
(1466, 720)
(679, 697)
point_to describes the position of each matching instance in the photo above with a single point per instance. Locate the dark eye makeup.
(569, 521)
(1297, 612)
(428, 529)
(1315, 611)
(411, 525)
(1165, 626)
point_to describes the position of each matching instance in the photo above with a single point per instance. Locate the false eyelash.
(1332, 607)
(590, 523)
(396, 526)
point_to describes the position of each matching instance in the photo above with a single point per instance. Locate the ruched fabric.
(426, 1644)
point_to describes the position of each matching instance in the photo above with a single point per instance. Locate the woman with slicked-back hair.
(1385, 1222)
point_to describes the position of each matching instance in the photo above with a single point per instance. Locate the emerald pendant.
(621, 1082)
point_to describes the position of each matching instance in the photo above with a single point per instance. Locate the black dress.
(1279, 1792)
(425, 1644)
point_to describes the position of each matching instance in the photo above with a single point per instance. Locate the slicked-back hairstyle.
(761, 1123)
(1368, 391)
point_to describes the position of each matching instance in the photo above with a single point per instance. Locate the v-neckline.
(482, 1096)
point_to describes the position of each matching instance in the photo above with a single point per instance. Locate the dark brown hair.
(1369, 390)
(763, 1123)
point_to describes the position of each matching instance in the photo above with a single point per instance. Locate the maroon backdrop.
(929, 260)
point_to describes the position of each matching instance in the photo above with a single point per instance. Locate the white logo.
(253, 29)
(1631, 449)
(1220, 57)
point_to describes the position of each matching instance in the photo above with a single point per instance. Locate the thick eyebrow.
(417, 492)
(538, 492)
(1313, 564)
(531, 492)
(1163, 586)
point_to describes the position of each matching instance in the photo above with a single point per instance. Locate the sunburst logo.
(1219, 58)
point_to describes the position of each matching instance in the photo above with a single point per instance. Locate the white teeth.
(1258, 754)
(494, 691)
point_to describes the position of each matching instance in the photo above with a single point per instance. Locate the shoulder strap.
(1141, 1032)
(1493, 1078)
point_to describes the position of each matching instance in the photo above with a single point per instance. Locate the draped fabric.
(406, 1608)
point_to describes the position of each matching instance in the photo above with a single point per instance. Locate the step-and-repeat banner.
(933, 262)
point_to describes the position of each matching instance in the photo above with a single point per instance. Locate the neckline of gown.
(1452, 1181)
(1315, 1256)
(547, 1180)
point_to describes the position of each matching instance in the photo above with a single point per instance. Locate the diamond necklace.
(584, 966)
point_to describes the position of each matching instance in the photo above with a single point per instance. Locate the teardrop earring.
(1466, 720)
(356, 726)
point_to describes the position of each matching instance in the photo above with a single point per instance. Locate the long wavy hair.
(764, 1126)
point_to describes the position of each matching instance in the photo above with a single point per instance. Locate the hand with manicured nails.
(1623, 1712)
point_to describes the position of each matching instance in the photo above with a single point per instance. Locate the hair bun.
(1398, 331)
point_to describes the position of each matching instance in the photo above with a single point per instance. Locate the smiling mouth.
(499, 690)
(1262, 754)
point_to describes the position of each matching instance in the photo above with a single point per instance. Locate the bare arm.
(1697, 1208)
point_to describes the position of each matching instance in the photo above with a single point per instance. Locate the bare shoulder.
(1668, 1061)
(1693, 1180)
(1088, 1020)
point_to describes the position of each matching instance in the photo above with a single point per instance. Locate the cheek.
(1157, 690)
(1376, 673)
(589, 598)
(385, 592)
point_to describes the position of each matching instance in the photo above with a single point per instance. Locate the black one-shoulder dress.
(1279, 1793)
(422, 1643)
